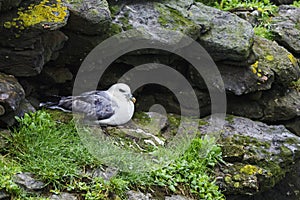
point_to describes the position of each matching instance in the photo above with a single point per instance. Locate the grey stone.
(177, 197)
(57, 74)
(224, 35)
(64, 196)
(280, 2)
(286, 28)
(89, 16)
(257, 155)
(4, 195)
(29, 61)
(28, 181)
(134, 195)
(12, 99)
(293, 125)
(274, 60)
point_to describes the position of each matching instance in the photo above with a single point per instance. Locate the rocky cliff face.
(42, 44)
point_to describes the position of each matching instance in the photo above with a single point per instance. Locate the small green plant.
(296, 4)
(191, 171)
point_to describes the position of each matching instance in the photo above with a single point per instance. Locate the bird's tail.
(55, 102)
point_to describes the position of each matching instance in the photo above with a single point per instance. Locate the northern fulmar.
(114, 106)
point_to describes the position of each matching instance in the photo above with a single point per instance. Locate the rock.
(6, 5)
(257, 156)
(26, 180)
(4, 195)
(177, 197)
(24, 61)
(27, 43)
(209, 25)
(286, 28)
(293, 125)
(12, 100)
(64, 196)
(274, 60)
(272, 106)
(225, 36)
(106, 174)
(56, 75)
(281, 107)
(134, 195)
(89, 17)
(280, 2)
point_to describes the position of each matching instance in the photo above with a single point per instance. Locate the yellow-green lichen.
(269, 57)
(43, 13)
(293, 59)
(251, 169)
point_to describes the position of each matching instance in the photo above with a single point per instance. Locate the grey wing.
(95, 105)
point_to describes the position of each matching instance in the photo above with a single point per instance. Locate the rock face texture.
(286, 28)
(257, 156)
(12, 100)
(43, 44)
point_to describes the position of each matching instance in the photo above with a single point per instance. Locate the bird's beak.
(132, 99)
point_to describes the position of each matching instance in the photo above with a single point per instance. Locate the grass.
(53, 151)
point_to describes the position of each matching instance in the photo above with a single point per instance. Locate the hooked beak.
(132, 99)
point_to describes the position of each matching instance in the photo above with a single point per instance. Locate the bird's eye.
(121, 90)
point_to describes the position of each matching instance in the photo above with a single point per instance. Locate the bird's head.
(122, 89)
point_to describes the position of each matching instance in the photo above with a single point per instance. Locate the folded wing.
(96, 105)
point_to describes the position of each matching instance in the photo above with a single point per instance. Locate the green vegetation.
(266, 10)
(51, 149)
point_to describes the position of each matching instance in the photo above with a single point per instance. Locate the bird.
(114, 106)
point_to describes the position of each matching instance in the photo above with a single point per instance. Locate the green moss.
(173, 19)
(142, 118)
(229, 118)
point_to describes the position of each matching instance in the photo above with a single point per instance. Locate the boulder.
(89, 17)
(256, 155)
(286, 28)
(273, 105)
(221, 33)
(27, 181)
(12, 100)
(27, 42)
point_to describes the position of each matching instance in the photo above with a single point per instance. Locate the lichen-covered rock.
(274, 60)
(12, 100)
(29, 37)
(257, 156)
(89, 17)
(224, 35)
(286, 28)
